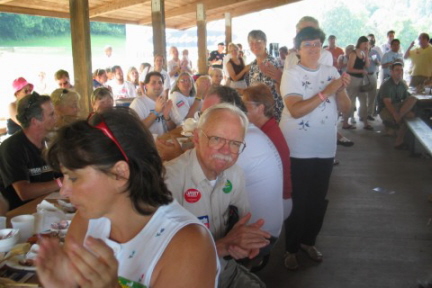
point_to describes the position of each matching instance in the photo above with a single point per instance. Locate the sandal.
(368, 127)
(349, 127)
(345, 142)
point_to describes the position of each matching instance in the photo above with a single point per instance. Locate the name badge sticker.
(192, 195)
(228, 187)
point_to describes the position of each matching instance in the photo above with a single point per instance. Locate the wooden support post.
(81, 52)
(228, 29)
(202, 39)
(158, 24)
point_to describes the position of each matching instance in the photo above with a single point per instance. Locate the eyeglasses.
(256, 42)
(184, 81)
(216, 142)
(311, 44)
(102, 126)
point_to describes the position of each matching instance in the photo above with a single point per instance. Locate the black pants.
(310, 181)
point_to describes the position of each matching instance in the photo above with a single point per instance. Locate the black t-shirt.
(215, 55)
(21, 160)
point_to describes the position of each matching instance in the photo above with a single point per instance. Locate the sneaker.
(312, 252)
(290, 261)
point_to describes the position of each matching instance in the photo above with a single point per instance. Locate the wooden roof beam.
(114, 6)
(31, 11)
(5, 1)
(46, 13)
(191, 8)
(238, 11)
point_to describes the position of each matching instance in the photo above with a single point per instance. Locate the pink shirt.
(272, 130)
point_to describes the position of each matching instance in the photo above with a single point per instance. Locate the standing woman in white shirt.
(313, 96)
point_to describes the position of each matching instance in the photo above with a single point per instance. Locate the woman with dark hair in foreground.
(128, 229)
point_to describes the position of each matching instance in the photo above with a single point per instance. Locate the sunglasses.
(31, 101)
(65, 91)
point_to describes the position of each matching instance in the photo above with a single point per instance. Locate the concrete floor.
(369, 239)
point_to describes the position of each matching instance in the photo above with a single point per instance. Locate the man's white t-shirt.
(125, 90)
(313, 135)
(262, 167)
(144, 105)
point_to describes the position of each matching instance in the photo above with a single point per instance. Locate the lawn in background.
(27, 57)
(97, 42)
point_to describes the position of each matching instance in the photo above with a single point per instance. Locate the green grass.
(97, 42)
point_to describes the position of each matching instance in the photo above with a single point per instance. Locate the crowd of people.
(154, 214)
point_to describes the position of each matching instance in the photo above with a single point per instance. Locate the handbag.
(367, 85)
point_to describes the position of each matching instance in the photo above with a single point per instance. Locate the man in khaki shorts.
(396, 104)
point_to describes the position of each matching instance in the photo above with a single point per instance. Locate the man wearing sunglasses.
(24, 173)
(206, 182)
(62, 79)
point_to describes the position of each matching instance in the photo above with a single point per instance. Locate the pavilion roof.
(179, 14)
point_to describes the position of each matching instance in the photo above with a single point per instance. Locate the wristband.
(155, 113)
(198, 98)
(59, 182)
(321, 96)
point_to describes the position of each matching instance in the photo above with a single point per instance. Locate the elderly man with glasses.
(24, 173)
(206, 182)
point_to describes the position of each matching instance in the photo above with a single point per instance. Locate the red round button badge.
(192, 195)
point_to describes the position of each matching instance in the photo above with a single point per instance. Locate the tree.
(344, 24)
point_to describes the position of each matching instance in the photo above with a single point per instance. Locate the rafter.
(238, 11)
(31, 11)
(5, 1)
(46, 13)
(191, 8)
(114, 6)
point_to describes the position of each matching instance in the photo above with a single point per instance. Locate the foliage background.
(349, 20)
(20, 27)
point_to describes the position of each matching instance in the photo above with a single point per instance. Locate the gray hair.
(227, 107)
(307, 19)
(31, 107)
(257, 35)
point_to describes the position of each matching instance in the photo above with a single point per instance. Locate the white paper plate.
(187, 134)
(13, 263)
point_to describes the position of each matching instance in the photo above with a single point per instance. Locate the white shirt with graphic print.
(313, 135)
(181, 105)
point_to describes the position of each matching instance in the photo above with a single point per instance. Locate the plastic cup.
(25, 224)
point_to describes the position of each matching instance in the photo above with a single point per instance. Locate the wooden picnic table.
(28, 208)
